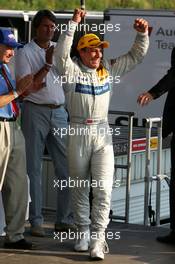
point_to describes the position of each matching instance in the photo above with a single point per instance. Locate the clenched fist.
(78, 15)
(141, 25)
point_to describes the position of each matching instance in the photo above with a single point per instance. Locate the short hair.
(40, 15)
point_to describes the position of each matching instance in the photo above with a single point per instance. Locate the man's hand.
(78, 15)
(33, 89)
(144, 99)
(24, 84)
(141, 25)
(49, 55)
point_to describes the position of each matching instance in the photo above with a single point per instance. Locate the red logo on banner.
(140, 144)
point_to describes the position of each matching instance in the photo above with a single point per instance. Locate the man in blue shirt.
(13, 178)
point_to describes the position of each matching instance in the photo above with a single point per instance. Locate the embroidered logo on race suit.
(90, 89)
(94, 88)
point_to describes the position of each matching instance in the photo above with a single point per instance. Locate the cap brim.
(104, 44)
(14, 45)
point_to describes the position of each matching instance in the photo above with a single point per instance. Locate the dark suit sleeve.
(173, 58)
(167, 82)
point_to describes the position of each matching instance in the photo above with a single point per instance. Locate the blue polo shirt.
(5, 111)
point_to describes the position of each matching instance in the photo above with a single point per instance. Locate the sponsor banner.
(140, 144)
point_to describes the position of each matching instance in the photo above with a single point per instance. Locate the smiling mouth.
(95, 61)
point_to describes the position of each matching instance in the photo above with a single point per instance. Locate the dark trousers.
(172, 185)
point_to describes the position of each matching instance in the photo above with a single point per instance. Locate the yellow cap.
(91, 41)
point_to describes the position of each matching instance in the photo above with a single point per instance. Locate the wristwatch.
(47, 66)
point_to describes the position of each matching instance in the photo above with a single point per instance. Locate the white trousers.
(91, 163)
(13, 179)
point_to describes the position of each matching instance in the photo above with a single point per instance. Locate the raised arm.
(62, 50)
(136, 54)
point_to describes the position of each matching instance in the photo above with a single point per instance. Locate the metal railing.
(148, 178)
(127, 166)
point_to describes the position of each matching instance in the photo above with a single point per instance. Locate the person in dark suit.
(166, 84)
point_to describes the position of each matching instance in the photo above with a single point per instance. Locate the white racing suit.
(90, 150)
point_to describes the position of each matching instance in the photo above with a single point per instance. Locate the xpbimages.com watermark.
(93, 130)
(68, 79)
(100, 28)
(71, 235)
(81, 183)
